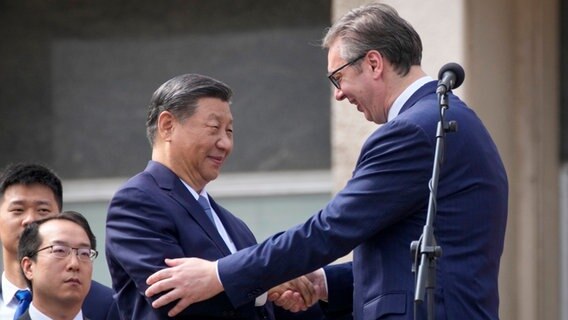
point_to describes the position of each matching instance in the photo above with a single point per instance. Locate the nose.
(29, 217)
(225, 142)
(74, 262)
(338, 94)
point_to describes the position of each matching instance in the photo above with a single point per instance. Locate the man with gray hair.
(165, 212)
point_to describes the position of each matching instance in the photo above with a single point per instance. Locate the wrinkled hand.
(190, 280)
(297, 295)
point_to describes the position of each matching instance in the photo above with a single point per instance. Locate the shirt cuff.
(325, 284)
(261, 300)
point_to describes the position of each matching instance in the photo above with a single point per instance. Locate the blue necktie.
(205, 205)
(24, 298)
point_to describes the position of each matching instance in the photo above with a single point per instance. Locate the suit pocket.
(386, 304)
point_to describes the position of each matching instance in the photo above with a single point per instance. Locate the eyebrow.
(65, 243)
(24, 201)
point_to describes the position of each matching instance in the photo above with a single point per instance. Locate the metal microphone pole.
(425, 251)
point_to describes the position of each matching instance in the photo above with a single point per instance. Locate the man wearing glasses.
(56, 256)
(30, 192)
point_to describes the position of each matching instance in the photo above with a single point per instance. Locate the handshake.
(300, 293)
(190, 280)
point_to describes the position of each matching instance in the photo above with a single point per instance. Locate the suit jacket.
(99, 303)
(153, 217)
(383, 209)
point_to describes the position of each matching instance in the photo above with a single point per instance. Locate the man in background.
(31, 192)
(56, 256)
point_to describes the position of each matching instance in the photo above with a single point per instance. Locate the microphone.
(450, 77)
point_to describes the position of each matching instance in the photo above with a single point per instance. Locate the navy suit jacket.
(382, 209)
(153, 217)
(99, 303)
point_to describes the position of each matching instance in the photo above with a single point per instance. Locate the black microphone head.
(456, 69)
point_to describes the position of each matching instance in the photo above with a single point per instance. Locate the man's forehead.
(334, 56)
(61, 231)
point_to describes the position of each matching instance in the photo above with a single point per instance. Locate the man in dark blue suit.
(31, 192)
(166, 212)
(57, 255)
(374, 61)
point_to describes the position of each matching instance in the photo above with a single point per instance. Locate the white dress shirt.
(405, 95)
(220, 228)
(35, 314)
(9, 301)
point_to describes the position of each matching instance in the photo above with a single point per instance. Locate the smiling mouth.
(217, 160)
(73, 281)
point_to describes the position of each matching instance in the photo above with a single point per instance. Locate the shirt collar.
(405, 95)
(194, 193)
(8, 290)
(35, 314)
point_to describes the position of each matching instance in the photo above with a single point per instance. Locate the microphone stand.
(425, 251)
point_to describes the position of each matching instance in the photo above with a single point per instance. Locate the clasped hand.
(191, 280)
(300, 293)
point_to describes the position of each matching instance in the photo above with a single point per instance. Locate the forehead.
(29, 192)
(334, 59)
(209, 107)
(63, 231)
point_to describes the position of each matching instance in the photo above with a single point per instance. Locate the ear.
(376, 61)
(27, 266)
(166, 124)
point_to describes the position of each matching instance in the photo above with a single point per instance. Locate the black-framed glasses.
(334, 80)
(61, 252)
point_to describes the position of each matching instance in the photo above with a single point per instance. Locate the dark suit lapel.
(171, 184)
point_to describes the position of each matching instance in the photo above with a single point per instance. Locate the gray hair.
(377, 26)
(180, 95)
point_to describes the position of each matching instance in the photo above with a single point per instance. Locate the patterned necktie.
(24, 298)
(205, 205)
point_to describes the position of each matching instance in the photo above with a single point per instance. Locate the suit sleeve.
(339, 303)
(140, 235)
(388, 184)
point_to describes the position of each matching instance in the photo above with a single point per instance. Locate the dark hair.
(28, 174)
(377, 26)
(30, 239)
(180, 95)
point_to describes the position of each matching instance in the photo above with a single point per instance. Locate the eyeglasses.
(334, 80)
(62, 252)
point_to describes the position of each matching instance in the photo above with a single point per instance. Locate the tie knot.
(206, 207)
(24, 299)
(204, 204)
(23, 295)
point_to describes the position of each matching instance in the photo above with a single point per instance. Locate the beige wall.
(509, 50)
